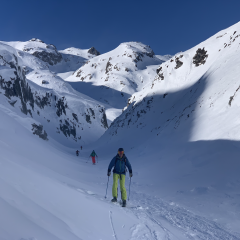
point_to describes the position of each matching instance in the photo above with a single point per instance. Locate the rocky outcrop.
(46, 105)
(68, 129)
(38, 130)
(93, 51)
(15, 85)
(49, 57)
(200, 57)
(178, 62)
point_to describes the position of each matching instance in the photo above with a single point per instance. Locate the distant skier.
(93, 155)
(81, 147)
(77, 152)
(119, 162)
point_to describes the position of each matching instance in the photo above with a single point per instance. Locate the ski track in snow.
(160, 218)
(111, 221)
(191, 225)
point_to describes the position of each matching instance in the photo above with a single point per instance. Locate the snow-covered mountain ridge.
(66, 60)
(211, 67)
(55, 110)
(113, 77)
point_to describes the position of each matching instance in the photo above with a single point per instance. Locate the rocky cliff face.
(52, 111)
(46, 52)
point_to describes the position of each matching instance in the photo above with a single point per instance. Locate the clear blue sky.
(167, 26)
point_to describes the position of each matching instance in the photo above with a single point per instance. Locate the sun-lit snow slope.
(62, 61)
(47, 194)
(184, 128)
(197, 88)
(84, 53)
(114, 76)
(52, 106)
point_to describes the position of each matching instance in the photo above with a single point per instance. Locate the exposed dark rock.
(200, 57)
(88, 118)
(160, 75)
(67, 129)
(61, 107)
(150, 54)
(36, 40)
(49, 57)
(178, 62)
(104, 121)
(159, 70)
(42, 101)
(138, 57)
(93, 51)
(92, 112)
(75, 116)
(17, 86)
(108, 67)
(38, 130)
(232, 97)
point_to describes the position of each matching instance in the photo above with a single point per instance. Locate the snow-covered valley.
(175, 116)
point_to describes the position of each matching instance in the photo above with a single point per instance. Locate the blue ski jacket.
(120, 165)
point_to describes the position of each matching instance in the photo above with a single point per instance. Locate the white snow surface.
(179, 129)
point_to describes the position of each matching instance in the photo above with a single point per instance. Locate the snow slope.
(113, 77)
(52, 106)
(45, 192)
(182, 130)
(49, 193)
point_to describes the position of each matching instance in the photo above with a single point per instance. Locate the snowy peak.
(93, 51)
(46, 52)
(138, 47)
(192, 90)
(137, 53)
(84, 53)
(113, 77)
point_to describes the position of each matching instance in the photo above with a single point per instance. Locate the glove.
(109, 173)
(130, 174)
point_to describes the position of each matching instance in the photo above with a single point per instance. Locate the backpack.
(125, 160)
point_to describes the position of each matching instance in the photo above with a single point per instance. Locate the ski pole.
(129, 189)
(107, 187)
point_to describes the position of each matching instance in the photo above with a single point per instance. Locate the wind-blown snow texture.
(179, 129)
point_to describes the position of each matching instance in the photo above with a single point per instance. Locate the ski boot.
(114, 199)
(124, 203)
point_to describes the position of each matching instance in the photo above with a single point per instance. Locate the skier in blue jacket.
(119, 162)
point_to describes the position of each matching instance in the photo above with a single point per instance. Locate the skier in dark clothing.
(77, 152)
(81, 147)
(93, 155)
(120, 163)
